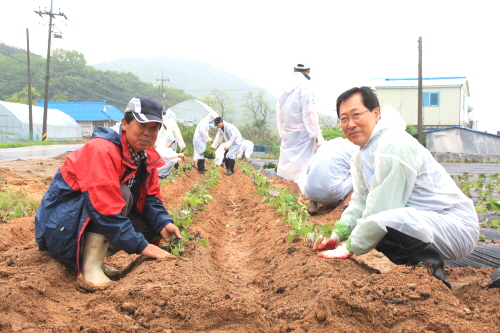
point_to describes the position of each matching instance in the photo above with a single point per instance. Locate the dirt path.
(248, 280)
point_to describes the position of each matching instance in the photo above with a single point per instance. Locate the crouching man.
(105, 197)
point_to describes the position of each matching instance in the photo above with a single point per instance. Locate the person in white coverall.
(329, 180)
(298, 126)
(200, 140)
(169, 156)
(232, 144)
(246, 148)
(171, 128)
(404, 204)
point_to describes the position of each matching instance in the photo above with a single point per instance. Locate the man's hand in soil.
(324, 243)
(340, 252)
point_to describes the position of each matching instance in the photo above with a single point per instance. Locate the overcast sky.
(346, 44)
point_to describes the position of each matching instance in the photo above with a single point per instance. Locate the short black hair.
(128, 117)
(368, 97)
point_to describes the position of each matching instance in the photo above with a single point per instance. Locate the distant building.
(191, 111)
(88, 114)
(445, 100)
(15, 124)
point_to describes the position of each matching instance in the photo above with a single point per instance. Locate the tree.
(22, 96)
(258, 109)
(220, 101)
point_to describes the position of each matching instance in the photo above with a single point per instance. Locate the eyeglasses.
(355, 117)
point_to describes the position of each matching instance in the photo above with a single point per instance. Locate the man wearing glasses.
(298, 126)
(106, 197)
(404, 204)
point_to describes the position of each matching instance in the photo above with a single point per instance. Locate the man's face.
(140, 136)
(358, 131)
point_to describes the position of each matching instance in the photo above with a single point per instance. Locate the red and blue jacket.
(87, 186)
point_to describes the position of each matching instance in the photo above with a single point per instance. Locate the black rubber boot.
(420, 252)
(392, 250)
(176, 166)
(230, 166)
(201, 166)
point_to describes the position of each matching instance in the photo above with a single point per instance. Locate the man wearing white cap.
(105, 197)
(298, 126)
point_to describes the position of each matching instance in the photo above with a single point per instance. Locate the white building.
(445, 100)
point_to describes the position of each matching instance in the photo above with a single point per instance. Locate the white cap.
(302, 65)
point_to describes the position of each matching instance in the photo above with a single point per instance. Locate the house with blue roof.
(88, 114)
(445, 100)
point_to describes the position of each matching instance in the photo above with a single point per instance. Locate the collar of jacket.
(307, 76)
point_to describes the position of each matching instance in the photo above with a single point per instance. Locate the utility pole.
(30, 102)
(162, 80)
(419, 125)
(47, 67)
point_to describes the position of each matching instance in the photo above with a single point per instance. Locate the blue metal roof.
(460, 127)
(86, 111)
(426, 81)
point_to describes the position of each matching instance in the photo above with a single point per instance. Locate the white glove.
(339, 253)
(324, 243)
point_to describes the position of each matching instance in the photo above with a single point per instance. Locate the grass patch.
(15, 204)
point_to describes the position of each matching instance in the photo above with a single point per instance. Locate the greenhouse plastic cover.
(14, 123)
(462, 140)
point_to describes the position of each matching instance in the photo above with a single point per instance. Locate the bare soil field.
(248, 280)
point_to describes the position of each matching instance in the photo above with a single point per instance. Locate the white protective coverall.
(200, 137)
(172, 128)
(398, 184)
(298, 126)
(329, 178)
(247, 148)
(232, 138)
(169, 156)
(219, 155)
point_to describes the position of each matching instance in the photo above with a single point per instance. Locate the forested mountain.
(194, 77)
(72, 79)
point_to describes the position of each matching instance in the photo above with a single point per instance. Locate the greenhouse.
(14, 124)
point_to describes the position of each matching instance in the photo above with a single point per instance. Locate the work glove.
(340, 252)
(325, 243)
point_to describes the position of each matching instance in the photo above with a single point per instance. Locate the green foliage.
(287, 204)
(262, 138)
(484, 188)
(257, 110)
(22, 96)
(186, 167)
(411, 130)
(332, 132)
(194, 200)
(270, 165)
(72, 79)
(15, 204)
(209, 154)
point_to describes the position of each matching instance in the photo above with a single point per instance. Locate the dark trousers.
(137, 221)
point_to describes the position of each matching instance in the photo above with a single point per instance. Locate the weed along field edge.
(245, 265)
